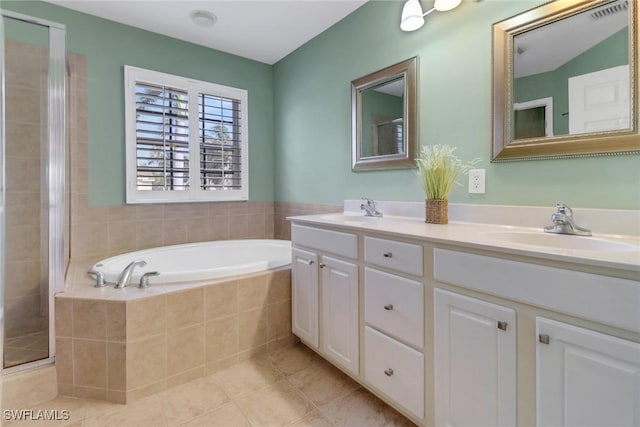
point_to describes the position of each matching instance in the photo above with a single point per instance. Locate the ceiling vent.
(610, 10)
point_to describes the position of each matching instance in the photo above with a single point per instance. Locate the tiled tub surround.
(129, 347)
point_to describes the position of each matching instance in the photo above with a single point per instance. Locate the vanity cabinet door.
(585, 378)
(340, 312)
(304, 296)
(475, 362)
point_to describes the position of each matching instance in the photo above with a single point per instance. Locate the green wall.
(108, 46)
(611, 52)
(454, 50)
(300, 109)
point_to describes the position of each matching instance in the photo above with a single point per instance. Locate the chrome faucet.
(99, 277)
(125, 276)
(370, 208)
(563, 222)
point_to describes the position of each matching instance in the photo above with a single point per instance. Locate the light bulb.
(444, 5)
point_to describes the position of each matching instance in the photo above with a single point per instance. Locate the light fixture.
(413, 17)
(203, 18)
(445, 5)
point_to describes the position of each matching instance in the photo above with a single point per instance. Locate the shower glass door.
(33, 71)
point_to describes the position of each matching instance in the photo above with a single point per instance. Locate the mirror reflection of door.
(382, 119)
(548, 58)
(599, 101)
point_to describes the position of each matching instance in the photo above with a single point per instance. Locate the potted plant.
(438, 169)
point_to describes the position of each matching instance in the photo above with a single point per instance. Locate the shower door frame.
(57, 89)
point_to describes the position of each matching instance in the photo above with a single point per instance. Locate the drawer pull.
(388, 307)
(310, 262)
(502, 325)
(544, 339)
(387, 254)
(388, 372)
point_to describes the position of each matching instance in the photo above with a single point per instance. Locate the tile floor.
(26, 348)
(290, 387)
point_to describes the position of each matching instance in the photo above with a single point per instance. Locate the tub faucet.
(125, 276)
(370, 208)
(563, 222)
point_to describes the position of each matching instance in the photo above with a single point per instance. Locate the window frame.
(194, 88)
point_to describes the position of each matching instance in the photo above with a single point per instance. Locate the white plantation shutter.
(162, 138)
(219, 135)
(186, 139)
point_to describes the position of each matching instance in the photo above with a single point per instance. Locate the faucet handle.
(99, 277)
(564, 209)
(144, 280)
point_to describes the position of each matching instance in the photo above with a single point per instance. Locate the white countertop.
(484, 236)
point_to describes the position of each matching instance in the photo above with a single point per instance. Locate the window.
(186, 139)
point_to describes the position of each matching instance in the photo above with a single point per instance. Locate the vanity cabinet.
(458, 335)
(340, 341)
(474, 361)
(585, 378)
(304, 296)
(325, 294)
(394, 321)
(581, 377)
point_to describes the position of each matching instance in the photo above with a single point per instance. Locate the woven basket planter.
(437, 211)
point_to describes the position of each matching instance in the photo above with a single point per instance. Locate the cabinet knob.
(388, 372)
(388, 307)
(322, 265)
(544, 339)
(310, 262)
(502, 325)
(387, 254)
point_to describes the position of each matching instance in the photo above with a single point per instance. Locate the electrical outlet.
(476, 181)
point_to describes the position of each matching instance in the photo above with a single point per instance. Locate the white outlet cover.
(476, 181)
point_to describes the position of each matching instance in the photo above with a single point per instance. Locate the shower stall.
(34, 215)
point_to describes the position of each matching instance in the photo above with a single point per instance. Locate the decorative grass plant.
(438, 169)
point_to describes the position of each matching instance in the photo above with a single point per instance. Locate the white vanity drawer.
(395, 369)
(344, 244)
(608, 300)
(394, 305)
(399, 256)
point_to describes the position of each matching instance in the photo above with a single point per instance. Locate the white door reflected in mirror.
(599, 101)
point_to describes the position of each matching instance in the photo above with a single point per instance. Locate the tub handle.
(144, 280)
(99, 277)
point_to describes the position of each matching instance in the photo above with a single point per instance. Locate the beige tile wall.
(124, 350)
(285, 209)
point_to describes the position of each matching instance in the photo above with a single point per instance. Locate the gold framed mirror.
(384, 112)
(565, 81)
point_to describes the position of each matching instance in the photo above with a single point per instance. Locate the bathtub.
(195, 262)
(213, 305)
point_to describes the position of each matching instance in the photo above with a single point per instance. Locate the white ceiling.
(549, 47)
(263, 30)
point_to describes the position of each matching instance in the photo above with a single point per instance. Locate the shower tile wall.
(25, 82)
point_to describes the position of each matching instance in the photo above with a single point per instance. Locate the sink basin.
(349, 219)
(562, 241)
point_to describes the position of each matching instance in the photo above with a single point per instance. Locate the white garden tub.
(195, 262)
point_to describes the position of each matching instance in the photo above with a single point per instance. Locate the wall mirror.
(565, 81)
(384, 127)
